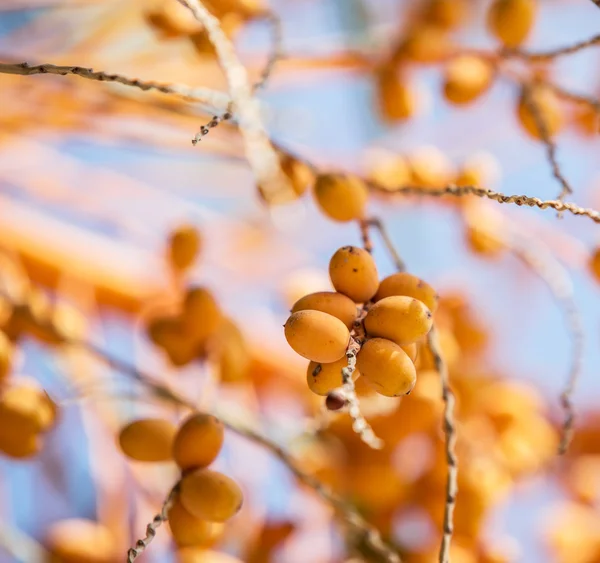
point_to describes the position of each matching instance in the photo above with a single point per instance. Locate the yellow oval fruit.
(387, 169)
(79, 541)
(299, 175)
(467, 77)
(198, 441)
(353, 272)
(19, 444)
(427, 44)
(430, 167)
(397, 99)
(595, 263)
(148, 439)
(165, 331)
(199, 555)
(317, 336)
(323, 378)
(25, 407)
(447, 14)
(412, 351)
(6, 356)
(341, 197)
(233, 353)
(548, 108)
(184, 246)
(387, 367)
(335, 304)
(210, 495)
(189, 531)
(399, 318)
(201, 316)
(403, 283)
(511, 20)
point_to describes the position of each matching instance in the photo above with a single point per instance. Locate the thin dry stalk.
(142, 544)
(206, 96)
(387, 241)
(574, 97)
(450, 433)
(537, 257)
(275, 54)
(359, 423)
(520, 200)
(259, 151)
(554, 53)
(542, 126)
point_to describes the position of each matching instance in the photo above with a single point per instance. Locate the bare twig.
(212, 98)
(275, 54)
(359, 423)
(537, 257)
(450, 432)
(276, 51)
(161, 517)
(378, 224)
(554, 53)
(259, 151)
(519, 200)
(542, 126)
(581, 99)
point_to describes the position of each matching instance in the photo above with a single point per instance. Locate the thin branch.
(212, 98)
(275, 54)
(537, 257)
(573, 96)
(554, 53)
(519, 200)
(157, 521)
(276, 51)
(596, 2)
(259, 151)
(542, 127)
(450, 433)
(387, 241)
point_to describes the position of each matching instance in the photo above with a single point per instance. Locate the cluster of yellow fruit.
(26, 414)
(201, 330)
(397, 315)
(204, 498)
(428, 167)
(172, 21)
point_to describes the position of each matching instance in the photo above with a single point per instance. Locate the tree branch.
(206, 96)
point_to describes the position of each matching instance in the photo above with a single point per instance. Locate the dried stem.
(519, 200)
(259, 151)
(542, 126)
(554, 53)
(378, 224)
(157, 521)
(206, 96)
(537, 257)
(573, 96)
(450, 433)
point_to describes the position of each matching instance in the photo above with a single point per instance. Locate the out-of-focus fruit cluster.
(170, 20)
(397, 315)
(204, 498)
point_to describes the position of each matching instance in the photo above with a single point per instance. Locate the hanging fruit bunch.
(203, 499)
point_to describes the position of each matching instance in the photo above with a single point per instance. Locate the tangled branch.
(259, 151)
(554, 53)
